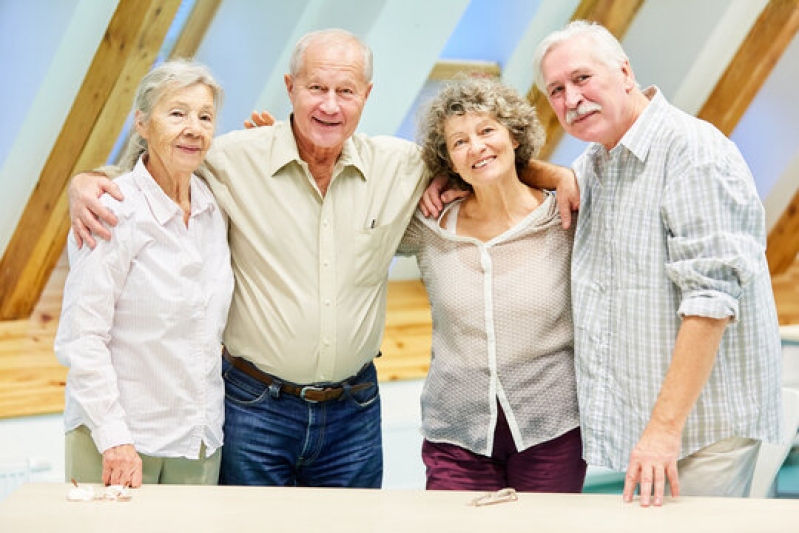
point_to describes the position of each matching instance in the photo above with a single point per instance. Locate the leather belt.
(315, 393)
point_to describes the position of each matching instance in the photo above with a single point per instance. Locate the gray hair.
(169, 75)
(483, 96)
(607, 48)
(296, 62)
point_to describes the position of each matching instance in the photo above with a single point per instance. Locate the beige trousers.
(724, 468)
(85, 464)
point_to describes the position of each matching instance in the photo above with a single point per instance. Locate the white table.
(155, 508)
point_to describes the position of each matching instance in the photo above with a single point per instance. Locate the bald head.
(330, 37)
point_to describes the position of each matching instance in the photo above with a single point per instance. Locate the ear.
(289, 81)
(629, 76)
(139, 124)
(514, 143)
(368, 92)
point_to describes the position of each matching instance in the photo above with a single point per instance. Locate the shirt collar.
(285, 151)
(160, 204)
(639, 138)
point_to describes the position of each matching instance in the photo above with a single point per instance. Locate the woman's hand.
(258, 120)
(85, 209)
(122, 466)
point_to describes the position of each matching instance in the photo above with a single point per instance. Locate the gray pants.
(85, 464)
(724, 468)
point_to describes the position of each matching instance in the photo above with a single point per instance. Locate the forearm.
(544, 175)
(692, 361)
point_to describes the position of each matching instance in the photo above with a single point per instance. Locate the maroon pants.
(552, 466)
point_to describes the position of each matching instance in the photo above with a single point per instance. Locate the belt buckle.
(311, 388)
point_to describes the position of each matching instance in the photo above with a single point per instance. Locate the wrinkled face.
(180, 129)
(328, 94)
(480, 148)
(590, 98)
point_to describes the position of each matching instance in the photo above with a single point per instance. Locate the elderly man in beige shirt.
(316, 213)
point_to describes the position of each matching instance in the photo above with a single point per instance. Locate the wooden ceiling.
(136, 33)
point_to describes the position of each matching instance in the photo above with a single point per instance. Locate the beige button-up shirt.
(311, 270)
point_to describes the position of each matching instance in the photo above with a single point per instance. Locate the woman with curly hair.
(499, 406)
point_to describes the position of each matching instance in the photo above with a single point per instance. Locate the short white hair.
(296, 61)
(607, 48)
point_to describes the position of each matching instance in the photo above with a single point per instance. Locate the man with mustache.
(676, 334)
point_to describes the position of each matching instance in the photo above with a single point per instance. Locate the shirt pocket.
(372, 255)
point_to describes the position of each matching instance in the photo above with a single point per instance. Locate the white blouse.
(142, 322)
(502, 330)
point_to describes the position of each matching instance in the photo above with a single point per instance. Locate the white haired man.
(676, 334)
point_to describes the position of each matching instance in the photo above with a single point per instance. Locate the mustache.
(582, 109)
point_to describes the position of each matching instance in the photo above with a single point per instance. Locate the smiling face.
(328, 94)
(480, 149)
(179, 129)
(591, 99)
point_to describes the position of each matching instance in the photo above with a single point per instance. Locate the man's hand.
(85, 209)
(568, 197)
(438, 194)
(652, 462)
(122, 466)
(259, 119)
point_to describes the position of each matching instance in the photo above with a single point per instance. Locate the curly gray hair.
(482, 96)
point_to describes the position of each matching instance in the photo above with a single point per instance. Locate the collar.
(162, 206)
(285, 151)
(639, 138)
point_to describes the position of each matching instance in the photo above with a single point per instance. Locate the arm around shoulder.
(86, 212)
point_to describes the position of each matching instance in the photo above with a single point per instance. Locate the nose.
(573, 97)
(476, 145)
(192, 125)
(330, 103)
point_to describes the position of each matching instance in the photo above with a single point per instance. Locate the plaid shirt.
(670, 225)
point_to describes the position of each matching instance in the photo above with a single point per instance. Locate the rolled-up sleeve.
(716, 236)
(93, 285)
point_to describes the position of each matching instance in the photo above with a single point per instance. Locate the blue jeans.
(287, 441)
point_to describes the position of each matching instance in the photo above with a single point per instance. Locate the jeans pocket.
(242, 389)
(365, 398)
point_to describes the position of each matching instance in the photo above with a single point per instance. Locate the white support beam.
(49, 109)
(722, 43)
(551, 15)
(419, 29)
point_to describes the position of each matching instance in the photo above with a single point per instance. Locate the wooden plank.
(130, 45)
(786, 294)
(197, 23)
(616, 16)
(446, 70)
(32, 381)
(783, 240)
(764, 45)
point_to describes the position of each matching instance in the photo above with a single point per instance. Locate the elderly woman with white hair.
(499, 406)
(143, 313)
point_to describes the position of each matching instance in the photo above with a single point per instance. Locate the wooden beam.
(764, 45)
(783, 239)
(446, 70)
(616, 16)
(771, 34)
(128, 49)
(197, 23)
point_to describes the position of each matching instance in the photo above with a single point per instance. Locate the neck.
(176, 185)
(509, 200)
(321, 160)
(639, 101)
